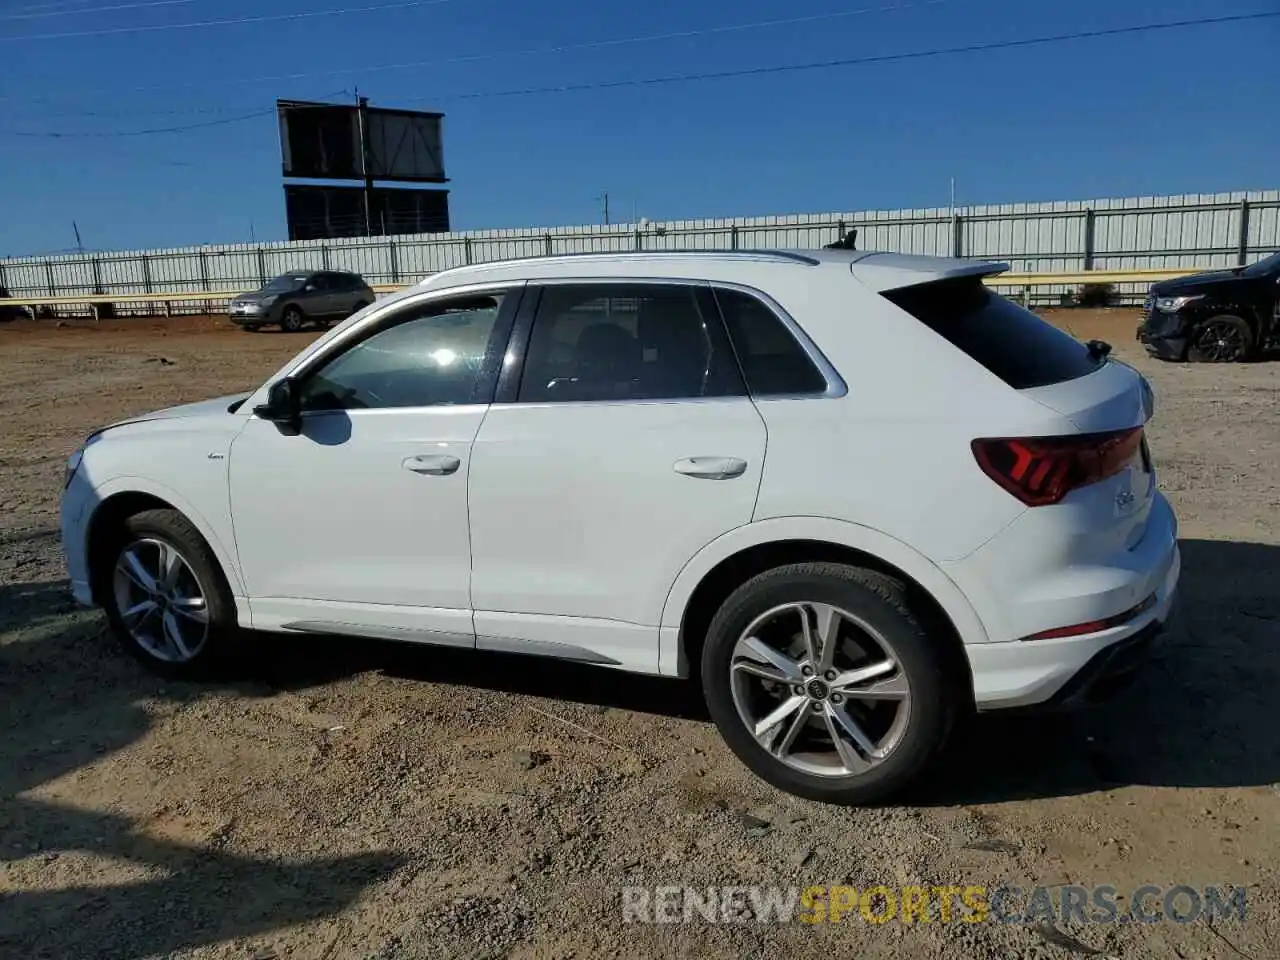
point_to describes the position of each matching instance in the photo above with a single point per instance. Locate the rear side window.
(626, 342)
(772, 361)
(1013, 343)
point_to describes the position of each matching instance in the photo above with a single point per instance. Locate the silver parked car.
(295, 299)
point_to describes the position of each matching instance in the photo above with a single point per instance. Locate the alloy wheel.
(820, 689)
(1220, 341)
(161, 601)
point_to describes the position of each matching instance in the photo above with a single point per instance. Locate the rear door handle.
(437, 465)
(711, 468)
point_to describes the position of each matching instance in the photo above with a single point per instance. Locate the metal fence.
(1188, 231)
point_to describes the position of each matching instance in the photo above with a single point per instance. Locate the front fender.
(823, 529)
(130, 484)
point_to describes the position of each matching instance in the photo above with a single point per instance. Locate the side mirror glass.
(283, 406)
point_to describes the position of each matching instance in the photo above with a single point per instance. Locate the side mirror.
(283, 406)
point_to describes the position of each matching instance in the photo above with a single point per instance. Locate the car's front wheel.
(1225, 338)
(823, 681)
(292, 319)
(165, 596)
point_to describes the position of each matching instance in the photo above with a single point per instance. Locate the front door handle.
(437, 465)
(711, 468)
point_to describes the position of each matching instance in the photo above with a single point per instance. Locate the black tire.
(1225, 338)
(357, 308)
(880, 602)
(293, 319)
(172, 528)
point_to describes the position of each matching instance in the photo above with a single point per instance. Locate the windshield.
(1263, 266)
(285, 282)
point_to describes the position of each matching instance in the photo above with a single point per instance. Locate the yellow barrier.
(1024, 281)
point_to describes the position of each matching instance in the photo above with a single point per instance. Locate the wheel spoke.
(828, 618)
(761, 671)
(169, 567)
(837, 722)
(764, 729)
(812, 643)
(783, 746)
(757, 649)
(173, 636)
(133, 568)
(890, 688)
(850, 681)
(193, 608)
(136, 615)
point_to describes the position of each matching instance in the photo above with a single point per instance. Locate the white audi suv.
(852, 494)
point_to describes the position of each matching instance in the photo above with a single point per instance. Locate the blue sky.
(1174, 111)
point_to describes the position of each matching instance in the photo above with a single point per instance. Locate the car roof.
(878, 270)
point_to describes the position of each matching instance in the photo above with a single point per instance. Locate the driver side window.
(433, 355)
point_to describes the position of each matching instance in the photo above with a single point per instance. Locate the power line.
(267, 18)
(859, 61)
(742, 72)
(183, 128)
(41, 12)
(537, 51)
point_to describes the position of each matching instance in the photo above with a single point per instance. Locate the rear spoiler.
(893, 271)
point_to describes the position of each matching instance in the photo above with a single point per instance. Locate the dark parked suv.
(1220, 316)
(295, 299)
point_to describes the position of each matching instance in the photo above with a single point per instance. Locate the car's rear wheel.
(292, 319)
(823, 682)
(1225, 338)
(165, 596)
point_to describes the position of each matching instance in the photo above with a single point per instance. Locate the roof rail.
(790, 256)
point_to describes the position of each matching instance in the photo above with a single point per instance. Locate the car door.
(358, 523)
(347, 293)
(622, 443)
(329, 297)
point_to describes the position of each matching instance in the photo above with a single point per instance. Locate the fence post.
(48, 273)
(204, 270)
(395, 263)
(957, 236)
(733, 237)
(1242, 254)
(639, 240)
(1090, 225)
(546, 244)
(466, 249)
(262, 267)
(97, 275)
(324, 256)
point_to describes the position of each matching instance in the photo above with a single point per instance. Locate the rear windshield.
(1013, 343)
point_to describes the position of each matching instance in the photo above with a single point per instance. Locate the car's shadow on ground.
(1202, 715)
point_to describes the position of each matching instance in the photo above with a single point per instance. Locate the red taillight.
(1042, 470)
(1096, 626)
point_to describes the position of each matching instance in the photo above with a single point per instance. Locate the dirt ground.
(354, 799)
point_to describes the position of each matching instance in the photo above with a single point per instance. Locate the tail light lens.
(1042, 470)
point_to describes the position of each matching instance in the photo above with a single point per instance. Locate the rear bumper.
(1023, 673)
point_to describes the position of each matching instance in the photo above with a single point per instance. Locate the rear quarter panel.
(894, 453)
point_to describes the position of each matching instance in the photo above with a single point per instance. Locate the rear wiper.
(1098, 349)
